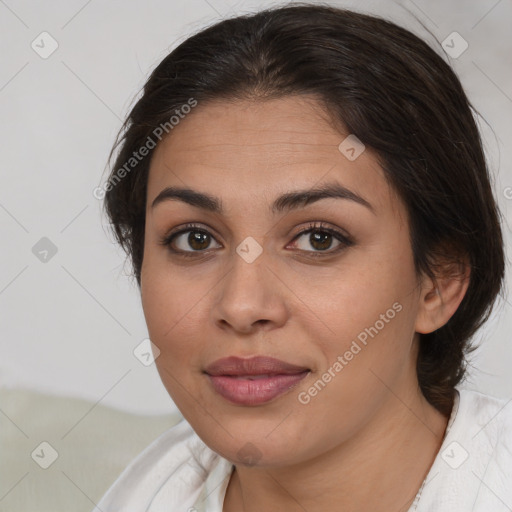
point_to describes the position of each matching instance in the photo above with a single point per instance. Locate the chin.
(252, 448)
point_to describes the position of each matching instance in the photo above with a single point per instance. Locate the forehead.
(257, 149)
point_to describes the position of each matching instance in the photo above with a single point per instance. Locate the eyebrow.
(289, 201)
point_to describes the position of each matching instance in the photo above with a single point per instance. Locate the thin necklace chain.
(418, 496)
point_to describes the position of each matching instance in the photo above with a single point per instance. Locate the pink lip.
(237, 379)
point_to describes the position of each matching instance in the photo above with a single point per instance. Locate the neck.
(382, 467)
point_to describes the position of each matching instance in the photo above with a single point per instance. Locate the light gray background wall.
(69, 325)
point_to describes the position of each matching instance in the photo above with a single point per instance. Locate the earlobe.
(439, 301)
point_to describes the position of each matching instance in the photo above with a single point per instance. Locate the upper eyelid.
(313, 225)
(187, 228)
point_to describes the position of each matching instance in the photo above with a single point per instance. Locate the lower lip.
(254, 392)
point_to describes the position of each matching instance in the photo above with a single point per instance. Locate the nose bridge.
(248, 293)
(247, 278)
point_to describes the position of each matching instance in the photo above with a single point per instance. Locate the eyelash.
(345, 241)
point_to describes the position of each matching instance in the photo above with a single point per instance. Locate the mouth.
(255, 380)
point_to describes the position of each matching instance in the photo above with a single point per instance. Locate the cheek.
(167, 304)
(166, 293)
(173, 325)
(366, 315)
(343, 301)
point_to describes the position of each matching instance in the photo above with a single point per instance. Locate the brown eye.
(321, 239)
(193, 241)
(188, 240)
(198, 240)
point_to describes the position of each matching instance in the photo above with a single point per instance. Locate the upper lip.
(257, 365)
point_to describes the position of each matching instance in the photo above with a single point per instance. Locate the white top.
(472, 471)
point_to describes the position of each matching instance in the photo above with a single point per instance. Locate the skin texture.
(366, 440)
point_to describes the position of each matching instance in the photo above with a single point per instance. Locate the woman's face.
(242, 281)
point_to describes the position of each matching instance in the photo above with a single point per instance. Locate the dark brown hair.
(383, 84)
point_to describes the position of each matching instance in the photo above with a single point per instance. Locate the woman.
(304, 198)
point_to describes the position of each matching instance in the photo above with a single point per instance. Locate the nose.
(250, 297)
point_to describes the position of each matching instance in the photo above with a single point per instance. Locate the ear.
(441, 297)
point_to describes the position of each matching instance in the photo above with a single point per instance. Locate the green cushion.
(94, 444)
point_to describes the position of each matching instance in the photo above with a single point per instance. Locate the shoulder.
(485, 415)
(483, 424)
(473, 469)
(476, 456)
(171, 470)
